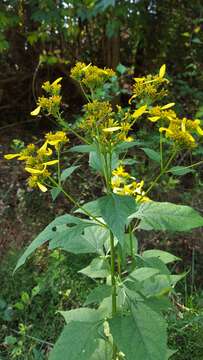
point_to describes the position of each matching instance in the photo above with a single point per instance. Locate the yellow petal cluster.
(50, 104)
(37, 160)
(91, 76)
(149, 88)
(124, 184)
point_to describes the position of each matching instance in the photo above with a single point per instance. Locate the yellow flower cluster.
(179, 130)
(101, 123)
(124, 184)
(148, 88)
(38, 159)
(50, 104)
(91, 76)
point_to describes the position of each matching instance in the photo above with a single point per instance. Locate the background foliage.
(40, 39)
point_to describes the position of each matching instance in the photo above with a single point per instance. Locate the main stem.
(113, 284)
(108, 171)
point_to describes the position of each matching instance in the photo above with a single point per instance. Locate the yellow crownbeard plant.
(124, 316)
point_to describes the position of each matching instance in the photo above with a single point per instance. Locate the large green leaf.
(141, 334)
(82, 315)
(95, 236)
(167, 216)
(98, 268)
(78, 341)
(98, 294)
(115, 210)
(71, 239)
(47, 234)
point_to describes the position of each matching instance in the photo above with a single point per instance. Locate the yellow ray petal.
(162, 71)
(137, 113)
(42, 187)
(154, 118)
(167, 106)
(51, 162)
(112, 129)
(57, 81)
(36, 111)
(11, 156)
(34, 171)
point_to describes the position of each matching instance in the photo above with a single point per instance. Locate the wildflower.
(50, 104)
(56, 139)
(149, 87)
(91, 76)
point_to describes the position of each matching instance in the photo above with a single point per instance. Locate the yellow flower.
(56, 138)
(120, 171)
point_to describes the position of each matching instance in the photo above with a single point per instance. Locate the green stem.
(75, 202)
(161, 173)
(59, 167)
(161, 150)
(113, 284)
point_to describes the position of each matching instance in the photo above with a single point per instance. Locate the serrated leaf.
(115, 210)
(71, 239)
(140, 335)
(152, 154)
(47, 234)
(82, 315)
(167, 216)
(98, 268)
(98, 294)
(78, 341)
(67, 172)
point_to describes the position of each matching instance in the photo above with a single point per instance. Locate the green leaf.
(96, 161)
(71, 239)
(98, 294)
(115, 210)
(47, 234)
(140, 335)
(152, 154)
(82, 315)
(143, 273)
(167, 216)
(78, 341)
(55, 191)
(96, 236)
(121, 69)
(127, 145)
(98, 268)
(67, 172)
(83, 148)
(180, 170)
(164, 256)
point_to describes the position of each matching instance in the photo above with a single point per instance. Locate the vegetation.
(112, 145)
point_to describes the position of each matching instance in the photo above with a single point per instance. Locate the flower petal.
(34, 171)
(36, 111)
(42, 187)
(162, 71)
(137, 113)
(167, 106)
(11, 156)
